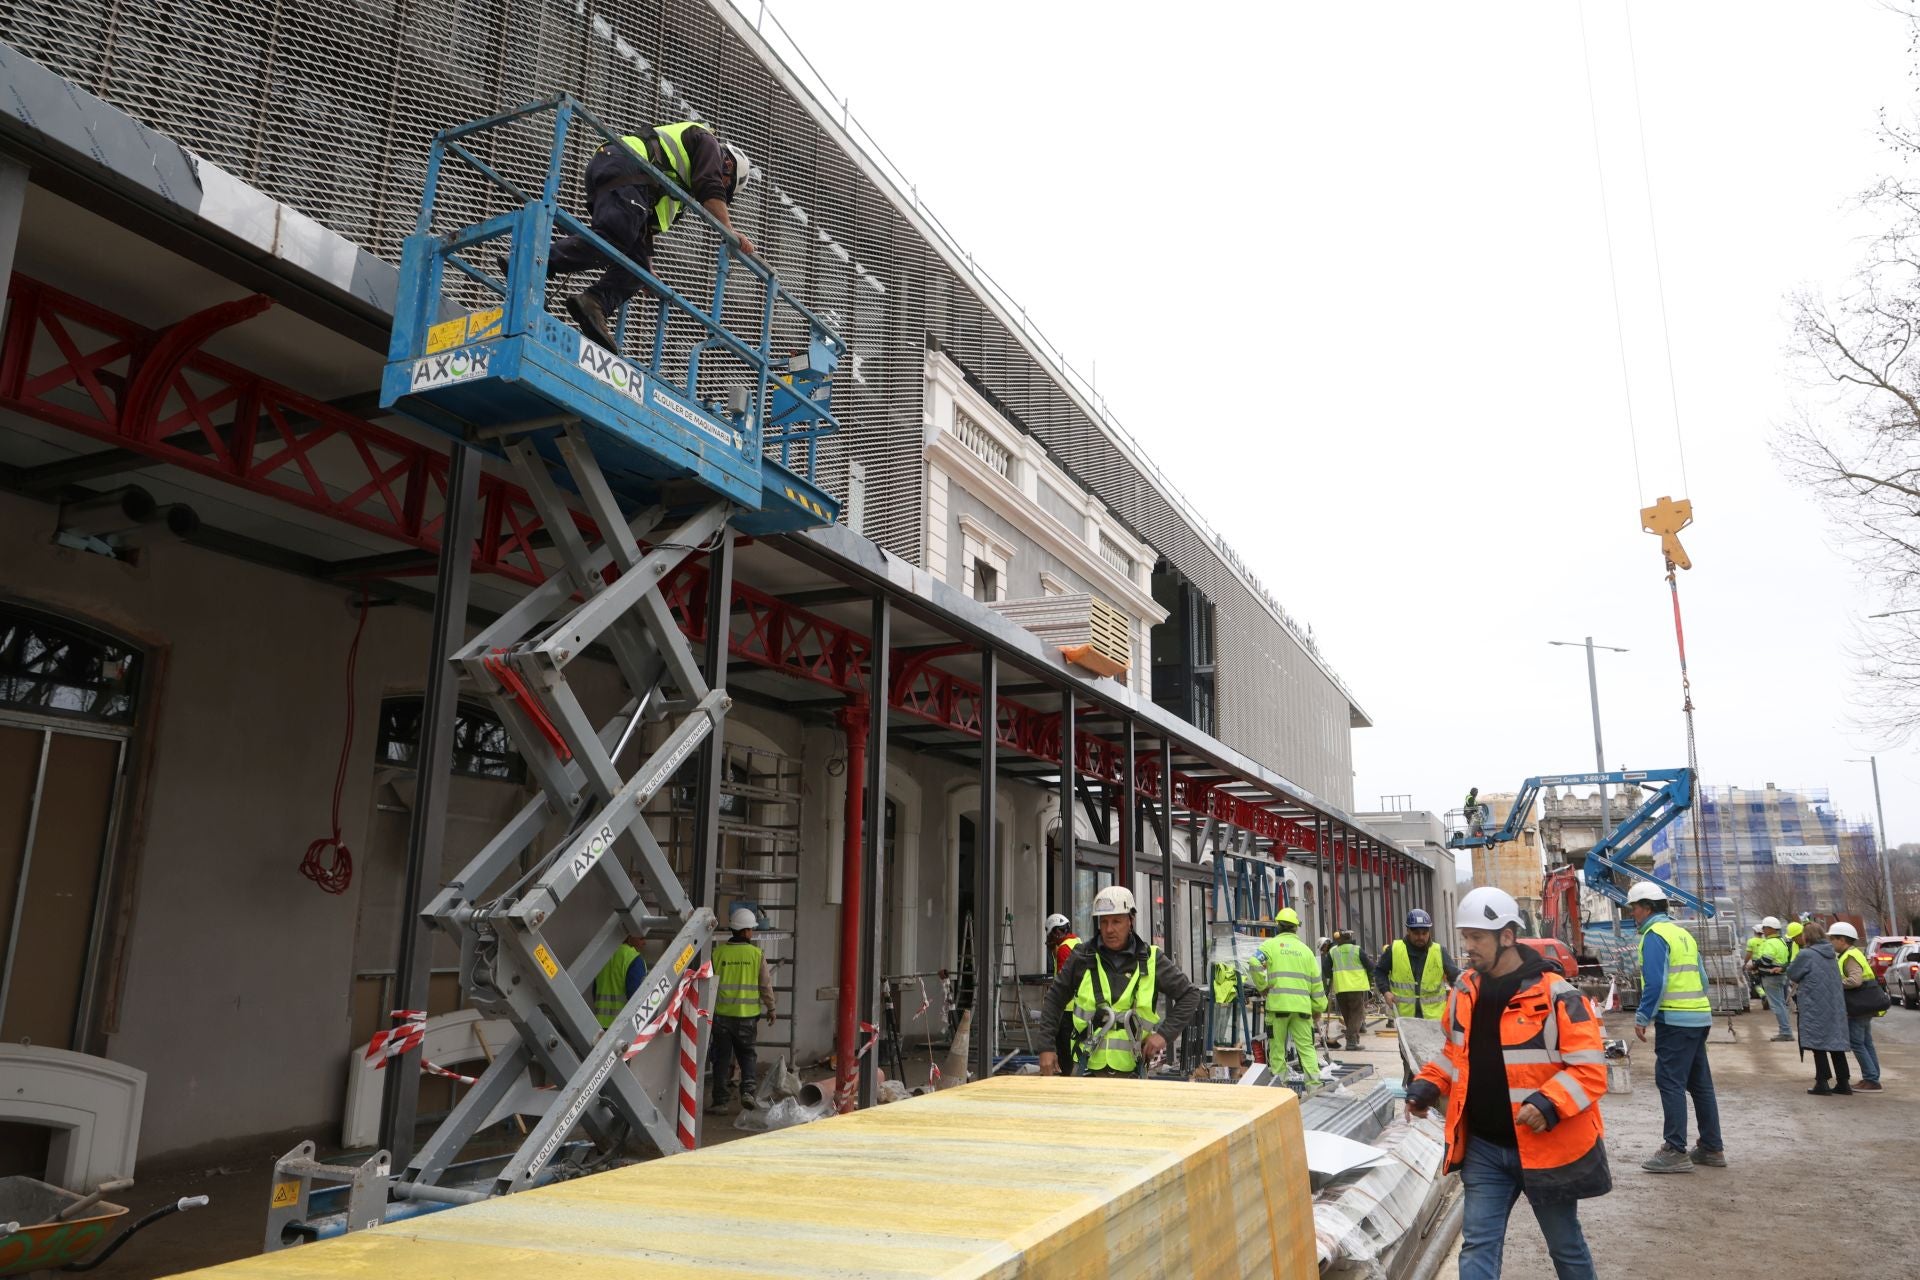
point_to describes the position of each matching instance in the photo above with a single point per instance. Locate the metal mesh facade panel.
(329, 107)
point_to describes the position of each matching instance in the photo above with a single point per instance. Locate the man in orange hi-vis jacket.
(1524, 1069)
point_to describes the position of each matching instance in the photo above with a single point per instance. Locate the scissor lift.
(635, 464)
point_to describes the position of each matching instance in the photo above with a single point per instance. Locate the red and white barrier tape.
(409, 1029)
(668, 1018)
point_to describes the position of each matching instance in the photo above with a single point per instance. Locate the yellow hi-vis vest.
(1287, 970)
(1349, 968)
(737, 965)
(1117, 1047)
(1686, 989)
(672, 158)
(610, 985)
(1428, 997)
(1226, 983)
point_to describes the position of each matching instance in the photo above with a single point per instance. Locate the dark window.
(62, 669)
(986, 582)
(482, 747)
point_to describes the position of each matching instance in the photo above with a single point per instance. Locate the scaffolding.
(1782, 850)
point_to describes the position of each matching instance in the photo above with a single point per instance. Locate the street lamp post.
(1880, 815)
(1593, 694)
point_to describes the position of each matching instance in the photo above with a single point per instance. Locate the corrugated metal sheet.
(329, 107)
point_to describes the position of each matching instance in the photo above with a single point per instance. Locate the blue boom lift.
(1606, 862)
(636, 463)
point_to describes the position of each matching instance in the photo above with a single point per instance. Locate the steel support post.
(13, 202)
(1069, 843)
(986, 912)
(853, 718)
(873, 916)
(706, 814)
(1129, 808)
(427, 823)
(1166, 845)
(1323, 922)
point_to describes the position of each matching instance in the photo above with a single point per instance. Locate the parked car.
(1880, 951)
(1903, 975)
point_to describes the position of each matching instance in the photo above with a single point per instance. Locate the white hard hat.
(742, 918)
(1770, 922)
(1843, 929)
(1113, 901)
(1646, 891)
(1757, 928)
(743, 170)
(1486, 908)
(1058, 921)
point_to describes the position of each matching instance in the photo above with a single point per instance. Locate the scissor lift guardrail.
(632, 472)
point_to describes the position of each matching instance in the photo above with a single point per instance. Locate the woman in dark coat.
(1822, 1002)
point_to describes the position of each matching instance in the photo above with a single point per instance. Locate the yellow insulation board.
(1016, 1176)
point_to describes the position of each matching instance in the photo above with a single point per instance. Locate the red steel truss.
(73, 364)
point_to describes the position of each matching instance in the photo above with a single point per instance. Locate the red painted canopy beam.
(70, 363)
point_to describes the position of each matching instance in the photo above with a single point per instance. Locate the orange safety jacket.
(1551, 1039)
(1064, 950)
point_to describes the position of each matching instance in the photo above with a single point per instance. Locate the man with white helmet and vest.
(1674, 1001)
(1107, 990)
(1523, 1070)
(618, 979)
(1346, 973)
(1770, 960)
(1414, 971)
(743, 995)
(1286, 969)
(627, 207)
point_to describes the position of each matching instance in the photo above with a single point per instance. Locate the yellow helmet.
(1795, 929)
(1287, 915)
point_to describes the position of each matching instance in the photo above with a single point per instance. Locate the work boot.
(1846, 1089)
(1668, 1160)
(1711, 1159)
(1868, 1086)
(1821, 1090)
(717, 1106)
(1782, 1037)
(592, 319)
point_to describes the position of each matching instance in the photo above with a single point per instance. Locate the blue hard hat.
(1419, 920)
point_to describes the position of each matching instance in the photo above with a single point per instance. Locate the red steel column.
(853, 722)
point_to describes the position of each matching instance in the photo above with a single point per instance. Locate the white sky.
(1344, 272)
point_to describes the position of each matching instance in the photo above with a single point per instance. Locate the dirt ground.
(1783, 1206)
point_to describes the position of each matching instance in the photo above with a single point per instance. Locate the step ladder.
(636, 468)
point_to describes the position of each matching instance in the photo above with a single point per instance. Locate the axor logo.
(453, 366)
(610, 369)
(589, 851)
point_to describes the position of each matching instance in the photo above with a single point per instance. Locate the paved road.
(1783, 1205)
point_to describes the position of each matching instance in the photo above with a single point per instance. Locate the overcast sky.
(1344, 271)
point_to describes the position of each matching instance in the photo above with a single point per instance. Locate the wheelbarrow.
(48, 1228)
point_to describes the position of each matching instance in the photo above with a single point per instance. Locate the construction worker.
(742, 998)
(1794, 933)
(1753, 979)
(1414, 971)
(1346, 975)
(1107, 992)
(617, 980)
(627, 208)
(1673, 998)
(1856, 971)
(1770, 961)
(1289, 974)
(1525, 1063)
(1061, 940)
(1470, 807)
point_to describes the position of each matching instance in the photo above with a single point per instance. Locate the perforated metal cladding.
(330, 107)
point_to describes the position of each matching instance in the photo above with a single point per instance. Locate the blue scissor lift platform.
(636, 463)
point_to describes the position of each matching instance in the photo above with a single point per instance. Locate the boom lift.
(1606, 865)
(634, 466)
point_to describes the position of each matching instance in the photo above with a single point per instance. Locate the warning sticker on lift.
(685, 958)
(548, 965)
(463, 365)
(474, 327)
(286, 1195)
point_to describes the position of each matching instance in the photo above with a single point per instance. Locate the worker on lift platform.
(628, 208)
(1107, 993)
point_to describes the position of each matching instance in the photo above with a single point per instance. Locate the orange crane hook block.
(1667, 518)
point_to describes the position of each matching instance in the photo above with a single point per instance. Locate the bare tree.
(1861, 887)
(1855, 438)
(1770, 891)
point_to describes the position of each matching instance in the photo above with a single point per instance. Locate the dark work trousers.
(731, 1037)
(620, 204)
(1830, 1065)
(1353, 1011)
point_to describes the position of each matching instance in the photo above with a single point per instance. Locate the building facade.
(1771, 850)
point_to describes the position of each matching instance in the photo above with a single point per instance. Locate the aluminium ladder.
(634, 468)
